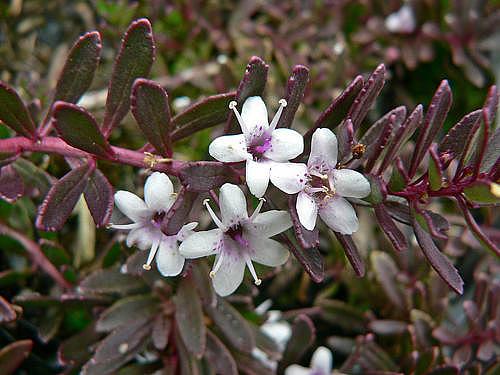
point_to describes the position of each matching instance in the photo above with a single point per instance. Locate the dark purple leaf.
(303, 336)
(444, 370)
(386, 272)
(162, 327)
(11, 184)
(79, 129)
(179, 212)
(345, 139)
(189, 318)
(99, 197)
(376, 149)
(79, 68)
(436, 258)
(219, 357)
(388, 327)
(343, 315)
(266, 343)
(34, 177)
(491, 105)
(436, 168)
(306, 238)
(12, 355)
(134, 60)
(13, 112)
(203, 176)
(434, 119)
(311, 259)
(206, 113)
(76, 349)
(149, 105)
(7, 312)
(492, 153)
(252, 84)
(351, 251)
(248, 365)
(295, 89)
(111, 281)
(126, 311)
(390, 229)
(8, 157)
(203, 284)
(62, 198)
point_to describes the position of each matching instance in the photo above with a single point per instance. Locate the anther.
(232, 104)
(147, 267)
(283, 102)
(277, 116)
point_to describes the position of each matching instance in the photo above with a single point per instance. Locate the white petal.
(143, 237)
(269, 223)
(230, 274)
(267, 252)
(349, 183)
(168, 259)
(323, 150)
(257, 175)
(307, 210)
(254, 115)
(186, 231)
(200, 244)
(229, 148)
(289, 177)
(286, 144)
(297, 370)
(158, 192)
(233, 205)
(322, 360)
(339, 215)
(131, 205)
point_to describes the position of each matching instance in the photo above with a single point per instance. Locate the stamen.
(277, 116)
(257, 209)
(318, 174)
(151, 256)
(151, 160)
(124, 226)
(217, 265)
(232, 106)
(322, 189)
(213, 215)
(249, 263)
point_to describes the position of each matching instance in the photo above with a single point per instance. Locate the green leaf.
(33, 176)
(483, 192)
(12, 355)
(435, 172)
(14, 114)
(397, 181)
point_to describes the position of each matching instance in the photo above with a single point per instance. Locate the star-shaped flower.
(322, 187)
(321, 364)
(261, 145)
(147, 216)
(238, 240)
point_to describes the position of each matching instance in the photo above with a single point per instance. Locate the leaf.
(206, 113)
(149, 105)
(203, 284)
(342, 315)
(390, 229)
(202, 176)
(492, 153)
(11, 184)
(351, 251)
(266, 343)
(178, 214)
(376, 149)
(7, 312)
(79, 129)
(33, 176)
(127, 310)
(302, 338)
(99, 197)
(311, 259)
(134, 60)
(111, 281)
(14, 114)
(79, 68)
(437, 259)
(232, 325)
(189, 318)
(483, 192)
(295, 89)
(388, 327)
(62, 198)
(77, 348)
(386, 273)
(307, 238)
(7, 158)
(219, 357)
(434, 119)
(162, 327)
(435, 172)
(50, 324)
(12, 355)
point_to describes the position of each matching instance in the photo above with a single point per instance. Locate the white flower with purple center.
(261, 145)
(147, 216)
(238, 240)
(321, 364)
(322, 186)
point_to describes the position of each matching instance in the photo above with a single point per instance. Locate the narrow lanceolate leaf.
(435, 172)
(99, 197)
(295, 90)
(134, 60)
(62, 198)
(352, 253)
(13, 355)
(219, 357)
(390, 229)
(79, 69)
(79, 129)
(310, 259)
(203, 176)
(491, 105)
(111, 281)
(126, 311)
(14, 114)
(11, 184)
(386, 273)
(437, 259)
(306, 238)
(434, 119)
(149, 105)
(177, 214)
(206, 113)
(253, 83)
(189, 318)
(376, 149)
(303, 336)
(492, 153)
(483, 192)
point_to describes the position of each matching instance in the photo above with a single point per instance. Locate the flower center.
(158, 218)
(261, 145)
(236, 234)
(320, 186)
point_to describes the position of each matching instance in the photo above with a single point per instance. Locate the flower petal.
(131, 205)
(229, 148)
(349, 183)
(230, 274)
(168, 259)
(339, 215)
(200, 244)
(324, 150)
(186, 231)
(159, 192)
(297, 370)
(233, 205)
(307, 210)
(267, 252)
(254, 115)
(257, 175)
(269, 223)
(286, 144)
(322, 360)
(143, 237)
(289, 177)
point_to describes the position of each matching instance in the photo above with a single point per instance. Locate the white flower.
(238, 240)
(403, 21)
(321, 364)
(261, 145)
(147, 216)
(322, 186)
